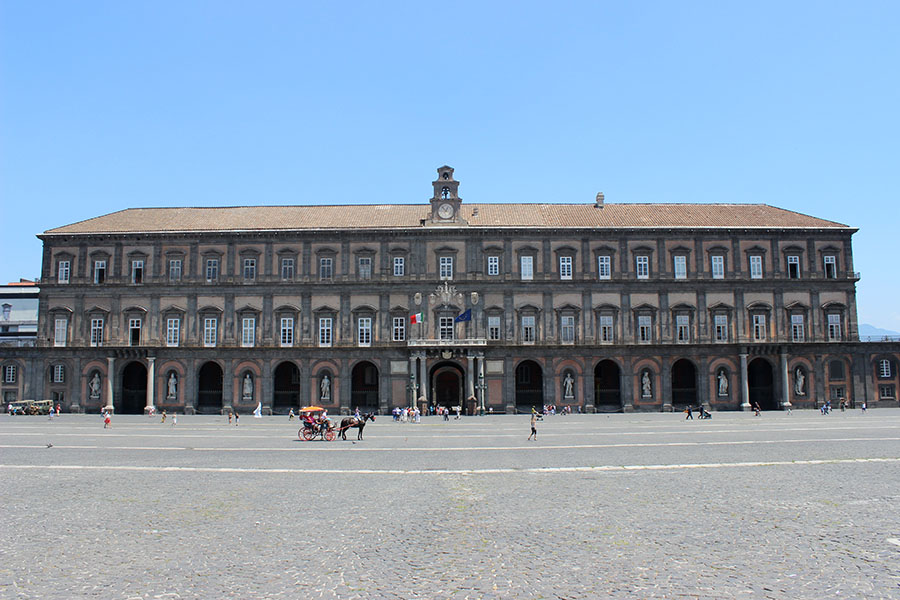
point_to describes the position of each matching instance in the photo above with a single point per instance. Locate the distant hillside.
(866, 330)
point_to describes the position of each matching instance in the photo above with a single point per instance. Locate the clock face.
(445, 211)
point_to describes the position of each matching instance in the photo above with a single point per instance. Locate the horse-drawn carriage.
(317, 426)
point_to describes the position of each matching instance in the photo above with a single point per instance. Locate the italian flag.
(416, 318)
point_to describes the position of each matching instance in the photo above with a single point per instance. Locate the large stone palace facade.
(501, 307)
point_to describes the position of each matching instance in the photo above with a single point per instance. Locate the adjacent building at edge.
(600, 307)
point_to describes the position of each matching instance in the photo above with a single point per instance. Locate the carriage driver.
(323, 421)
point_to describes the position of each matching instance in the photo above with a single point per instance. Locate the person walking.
(533, 427)
(291, 415)
(689, 413)
(163, 417)
(107, 421)
(236, 417)
(756, 409)
(229, 417)
(174, 419)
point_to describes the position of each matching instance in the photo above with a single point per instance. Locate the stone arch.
(529, 386)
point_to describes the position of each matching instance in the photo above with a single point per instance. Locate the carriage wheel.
(308, 434)
(330, 435)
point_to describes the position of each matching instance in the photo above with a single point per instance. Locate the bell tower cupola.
(445, 202)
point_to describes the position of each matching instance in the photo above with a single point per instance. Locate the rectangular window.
(59, 374)
(365, 267)
(326, 269)
(645, 328)
(565, 267)
(287, 332)
(364, 331)
(446, 263)
(527, 267)
(175, 269)
(717, 266)
(884, 369)
(9, 374)
(212, 269)
(287, 269)
(398, 330)
(249, 269)
(721, 325)
(793, 263)
(797, 334)
(325, 332)
(399, 266)
(886, 392)
(683, 328)
(445, 328)
(493, 265)
(210, 327)
(567, 330)
(494, 328)
(62, 272)
(96, 332)
(248, 332)
(759, 328)
(604, 267)
(134, 332)
(528, 334)
(137, 271)
(606, 329)
(59, 332)
(99, 271)
(642, 264)
(834, 327)
(756, 267)
(681, 267)
(173, 332)
(830, 267)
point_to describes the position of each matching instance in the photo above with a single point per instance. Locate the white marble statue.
(172, 387)
(569, 386)
(95, 386)
(723, 383)
(247, 390)
(646, 391)
(325, 388)
(799, 382)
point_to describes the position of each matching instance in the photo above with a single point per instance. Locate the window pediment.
(98, 309)
(210, 309)
(796, 306)
(683, 306)
(755, 250)
(606, 307)
(718, 249)
(60, 309)
(325, 309)
(645, 308)
(759, 306)
(834, 306)
(566, 251)
(135, 309)
(604, 250)
(247, 308)
(173, 309)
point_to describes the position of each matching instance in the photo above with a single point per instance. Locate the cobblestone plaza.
(621, 506)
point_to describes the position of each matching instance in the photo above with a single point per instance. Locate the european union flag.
(466, 316)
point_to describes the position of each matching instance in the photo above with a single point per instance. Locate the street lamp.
(411, 386)
(481, 387)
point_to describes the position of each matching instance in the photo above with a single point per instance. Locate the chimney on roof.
(598, 203)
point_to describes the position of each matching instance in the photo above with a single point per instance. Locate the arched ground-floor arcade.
(475, 377)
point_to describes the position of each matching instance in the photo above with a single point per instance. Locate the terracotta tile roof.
(409, 216)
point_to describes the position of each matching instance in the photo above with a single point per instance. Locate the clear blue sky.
(109, 105)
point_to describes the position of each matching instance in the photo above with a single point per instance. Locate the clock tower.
(445, 202)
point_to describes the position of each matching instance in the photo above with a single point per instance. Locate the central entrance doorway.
(447, 385)
(134, 389)
(364, 388)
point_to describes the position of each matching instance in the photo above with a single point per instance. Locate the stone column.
(745, 384)
(151, 380)
(785, 382)
(110, 375)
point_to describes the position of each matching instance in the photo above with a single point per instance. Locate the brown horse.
(354, 422)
